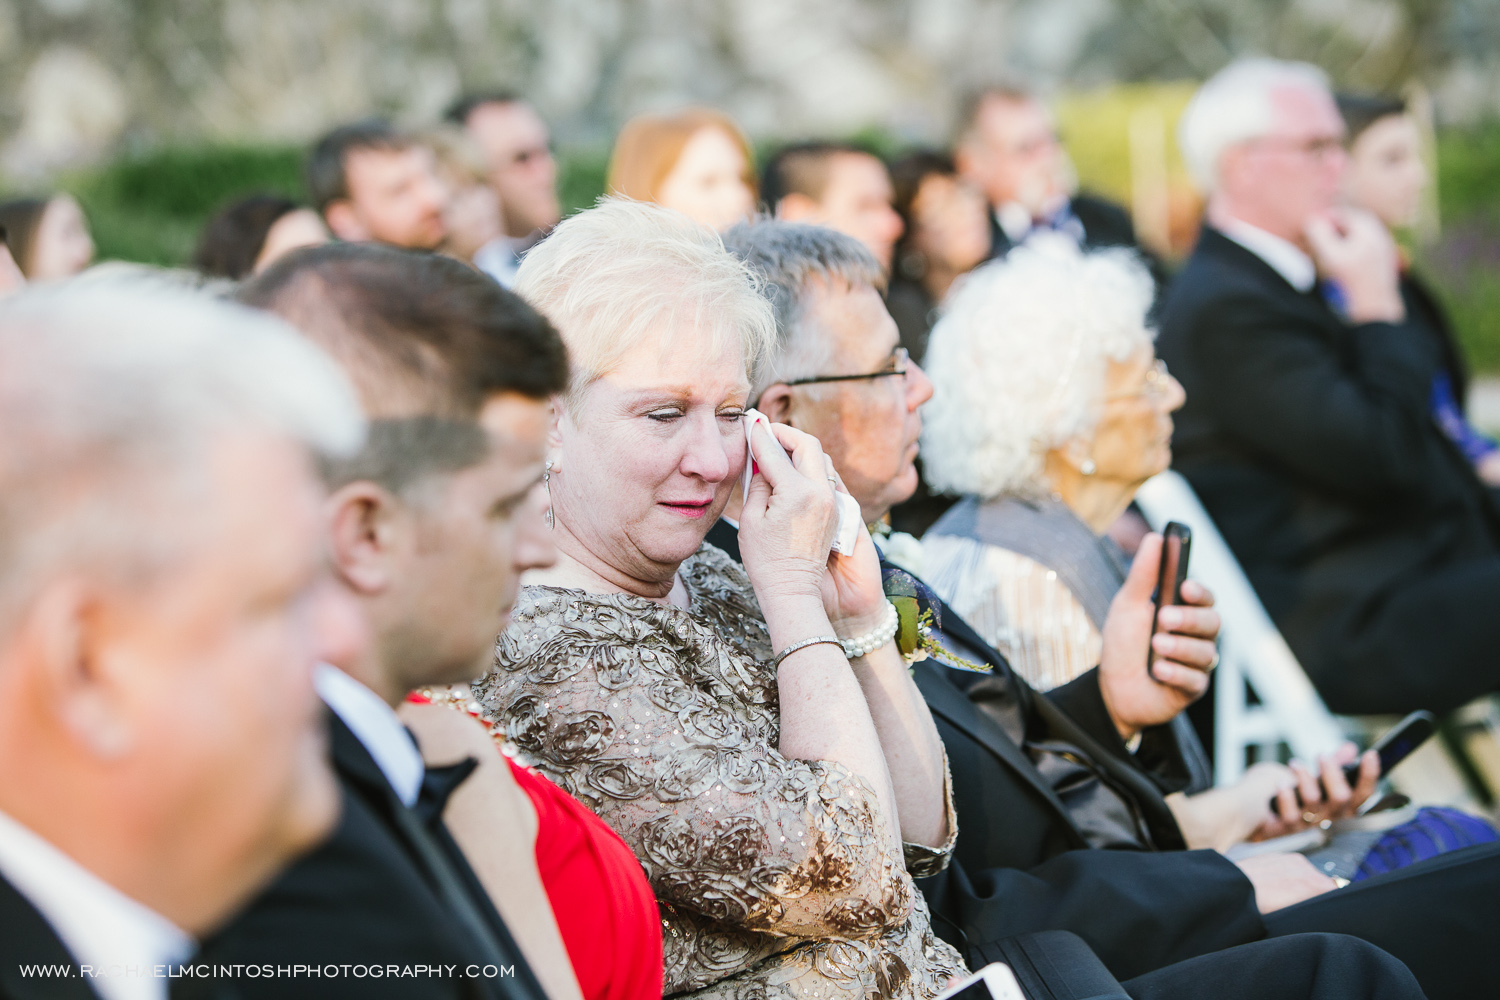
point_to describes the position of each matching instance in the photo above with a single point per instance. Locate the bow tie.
(438, 783)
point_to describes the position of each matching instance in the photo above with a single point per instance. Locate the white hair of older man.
(622, 274)
(113, 397)
(1018, 363)
(789, 257)
(1235, 105)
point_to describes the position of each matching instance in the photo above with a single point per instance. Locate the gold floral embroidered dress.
(773, 875)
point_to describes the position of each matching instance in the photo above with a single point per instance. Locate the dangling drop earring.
(547, 485)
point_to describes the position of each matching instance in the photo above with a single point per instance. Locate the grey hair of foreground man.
(112, 397)
(792, 258)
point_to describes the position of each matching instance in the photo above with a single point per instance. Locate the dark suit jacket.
(1105, 224)
(366, 896)
(1312, 445)
(27, 939)
(1021, 865)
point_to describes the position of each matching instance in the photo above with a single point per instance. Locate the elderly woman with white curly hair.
(1050, 410)
(753, 734)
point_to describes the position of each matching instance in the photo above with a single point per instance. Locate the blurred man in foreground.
(522, 170)
(1309, 430)
(372, 183)
(163, 602)
(837, 185)
(430, 526)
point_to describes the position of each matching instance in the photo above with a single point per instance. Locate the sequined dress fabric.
(772, 874)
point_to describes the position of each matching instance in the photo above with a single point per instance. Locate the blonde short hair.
(1018, 363)
(614, 276)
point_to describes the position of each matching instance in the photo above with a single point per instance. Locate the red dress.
(605, 909)
(604, 906)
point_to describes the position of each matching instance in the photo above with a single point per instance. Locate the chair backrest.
(1251, 649)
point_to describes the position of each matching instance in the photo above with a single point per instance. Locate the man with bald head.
(429, 527)
(163, 601)
(1309, 430)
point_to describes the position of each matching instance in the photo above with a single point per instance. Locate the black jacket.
(1021, 865)
(369, 896)
(26, 939)
(1312, 445)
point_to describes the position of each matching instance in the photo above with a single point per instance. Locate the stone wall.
(89, 76)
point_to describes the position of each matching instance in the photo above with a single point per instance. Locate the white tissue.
(850, 520)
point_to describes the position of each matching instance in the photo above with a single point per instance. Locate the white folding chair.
(1251, 649)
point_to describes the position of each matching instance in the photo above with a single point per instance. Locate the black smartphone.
(1394, 747)
(1176, 545)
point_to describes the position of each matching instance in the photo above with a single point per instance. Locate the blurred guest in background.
(696, 162)
(1008, 147)
(521, 169)
(48, 237)
(1309, 428)
(373, 183)
(947, 235)
(11, 278)
(1386, 177)
(164, 605)
(250, 234)
(472, 218)
(838, 185)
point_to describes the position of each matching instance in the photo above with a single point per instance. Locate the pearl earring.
(547, 485)
(1088, 468)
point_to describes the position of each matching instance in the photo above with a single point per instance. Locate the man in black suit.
(1008, 148)
(1026, 857)
(430, 526)
(1308, 430)
(162, 606)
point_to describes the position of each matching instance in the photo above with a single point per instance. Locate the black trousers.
(1432, 646)
(1441, 917)
(1296, 967)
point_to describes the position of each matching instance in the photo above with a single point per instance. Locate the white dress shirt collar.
(121, 940)
(377, 727)
(1284, 256)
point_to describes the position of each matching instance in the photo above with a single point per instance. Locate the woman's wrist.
(792, 618)
(881, 630)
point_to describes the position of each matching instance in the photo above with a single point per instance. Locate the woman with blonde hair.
(696, 162)
(752, 733)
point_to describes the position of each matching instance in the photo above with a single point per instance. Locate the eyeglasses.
(1156, 384)
(1317, 149)
(897, 365)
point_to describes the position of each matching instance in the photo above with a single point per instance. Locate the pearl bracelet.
(863, 645)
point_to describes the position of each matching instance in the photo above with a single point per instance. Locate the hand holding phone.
(1392, 748)
(1176, 546)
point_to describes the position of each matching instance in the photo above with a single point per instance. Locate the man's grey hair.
(114, 396)
(1236, 105)
(789, 257)
(1018, 363)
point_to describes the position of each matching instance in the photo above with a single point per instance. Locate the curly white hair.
(1018, 362)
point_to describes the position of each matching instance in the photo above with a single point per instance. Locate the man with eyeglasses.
(1024, 861)
(1309, 431)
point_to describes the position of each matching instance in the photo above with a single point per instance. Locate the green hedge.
(1464, 264)
(151, 206)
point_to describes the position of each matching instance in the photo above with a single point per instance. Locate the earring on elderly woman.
(1088, 468)
(547, 485)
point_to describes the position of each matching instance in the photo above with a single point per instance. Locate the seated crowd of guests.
(377, 621)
